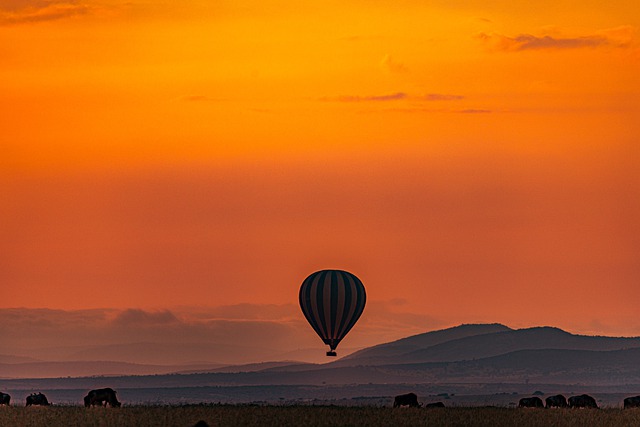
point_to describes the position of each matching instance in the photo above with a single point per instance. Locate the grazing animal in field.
(5, 399)
(102, 397)
(37, 399)
(409, 399)
(434, 405)
(530, 402)
(582, 401)
(632, 402)
(557, 401)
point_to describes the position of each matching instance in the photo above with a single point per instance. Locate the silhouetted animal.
(632, 402)
(434, 405)
(558, 401)
(100, 397)
(409, 399)
(5, 399)
(530, 402)
(582, 401)
(37, 399)
(201, 423)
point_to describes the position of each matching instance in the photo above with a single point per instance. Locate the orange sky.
(468, 160)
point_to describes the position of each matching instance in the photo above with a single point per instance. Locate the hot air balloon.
(332, 301)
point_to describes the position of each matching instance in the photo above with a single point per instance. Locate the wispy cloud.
(614, 37)
(397, 96)
(441, 97)
(33, 11)
(406, 103)
(529, 42)
(367, 98)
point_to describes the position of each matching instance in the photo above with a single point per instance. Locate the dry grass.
(253, 415)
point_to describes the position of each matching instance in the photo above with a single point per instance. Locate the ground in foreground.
(256, 415)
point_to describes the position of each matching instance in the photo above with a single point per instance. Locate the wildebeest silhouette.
(409, 399)
(557, 401)
(632, 402)
(582, 401)
(37, 399)
(530, 402)
(5, 399)
(434, 405)
(101, 397)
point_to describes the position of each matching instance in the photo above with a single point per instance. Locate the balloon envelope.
(332, 301)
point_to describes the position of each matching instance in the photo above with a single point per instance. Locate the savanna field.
(258, 415)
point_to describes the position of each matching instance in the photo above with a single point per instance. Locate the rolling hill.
(470, 342)
(397, 350)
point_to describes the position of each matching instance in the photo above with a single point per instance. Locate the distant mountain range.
(472, 342)
(485, 353)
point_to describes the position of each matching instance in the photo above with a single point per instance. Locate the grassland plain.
(259, 415)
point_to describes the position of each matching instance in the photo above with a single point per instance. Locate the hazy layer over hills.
(220, 335)
(463, 354)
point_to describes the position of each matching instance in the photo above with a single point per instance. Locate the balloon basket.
(332, 353)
